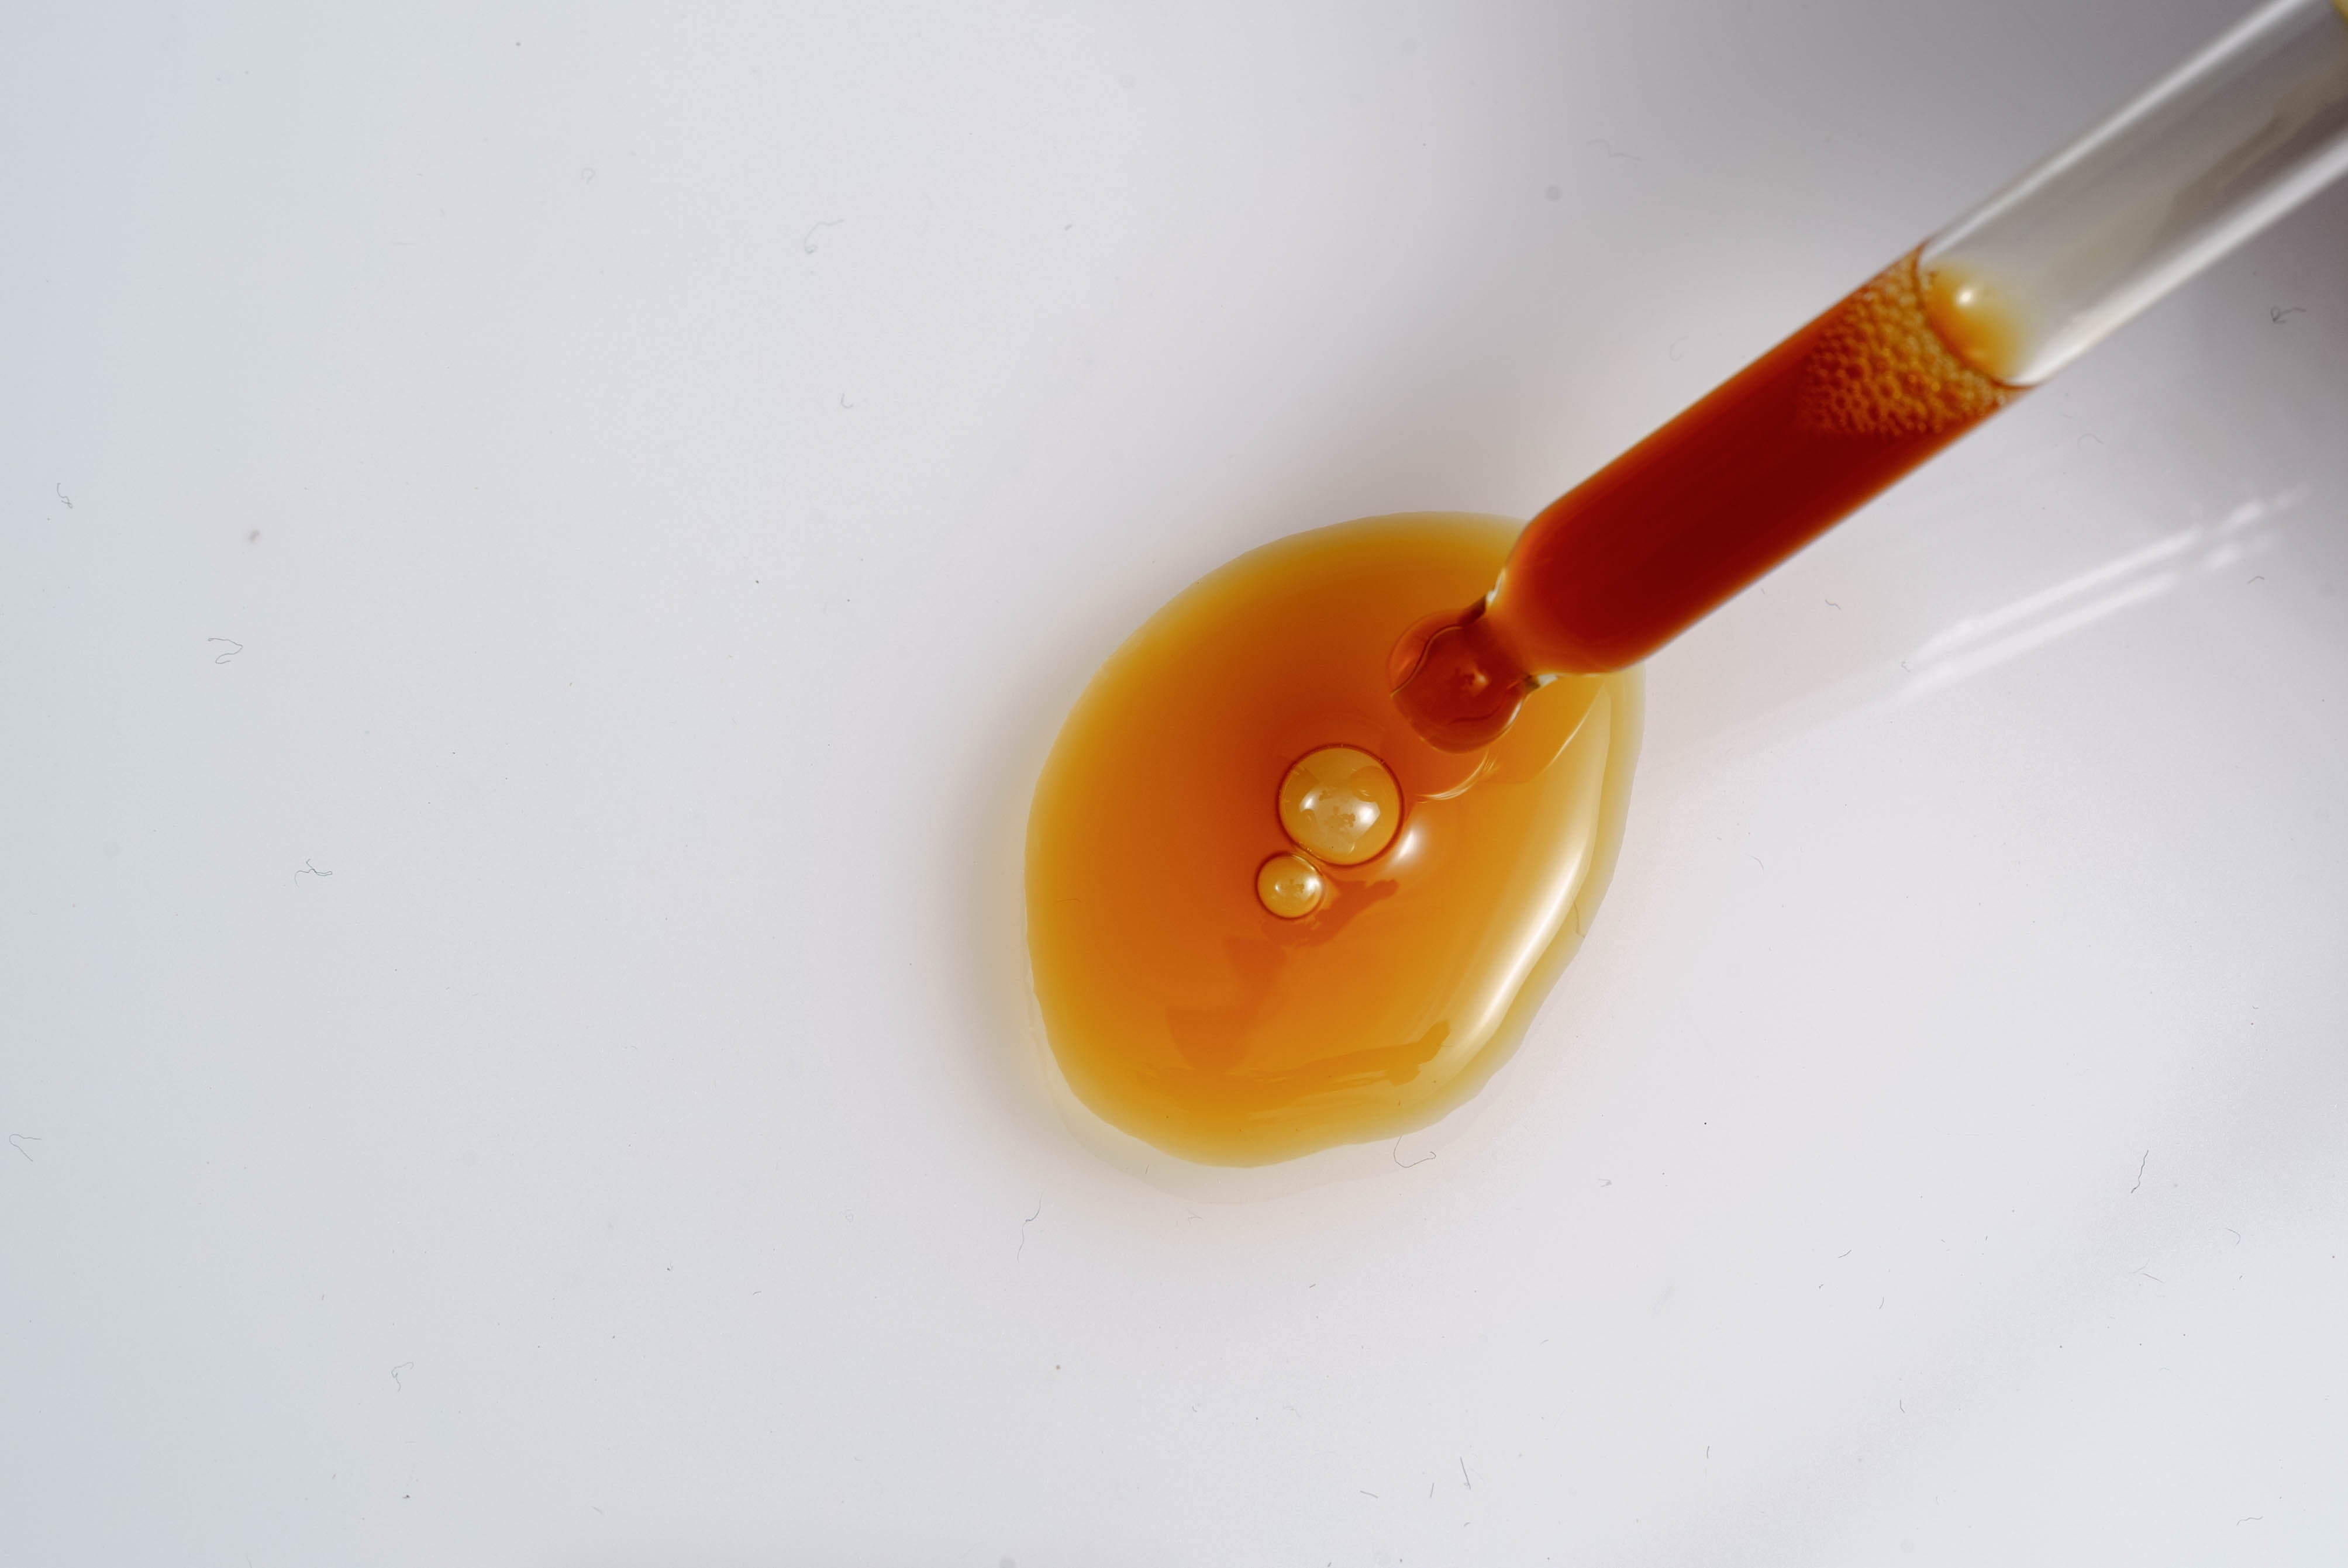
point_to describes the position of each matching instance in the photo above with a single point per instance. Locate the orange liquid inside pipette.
(1782, 450)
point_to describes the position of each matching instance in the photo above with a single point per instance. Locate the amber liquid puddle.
(1224, 987)
(1179, 1007)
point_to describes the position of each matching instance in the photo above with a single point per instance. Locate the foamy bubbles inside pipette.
(1290, 886)
(1339, 805)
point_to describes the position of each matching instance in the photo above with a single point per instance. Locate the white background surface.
(661, 472)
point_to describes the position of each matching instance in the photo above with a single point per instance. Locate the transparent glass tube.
(2227, 143)
(1932, 347)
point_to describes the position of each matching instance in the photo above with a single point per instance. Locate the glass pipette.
(1991, 306)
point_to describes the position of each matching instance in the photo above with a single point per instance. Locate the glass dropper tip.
(1455, 682)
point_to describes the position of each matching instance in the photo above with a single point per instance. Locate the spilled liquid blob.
(1264, 915)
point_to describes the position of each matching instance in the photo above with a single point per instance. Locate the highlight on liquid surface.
(1982, 325)
(1264, 916)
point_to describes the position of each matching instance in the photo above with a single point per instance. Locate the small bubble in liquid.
(1290, 886)
(1339, 805)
